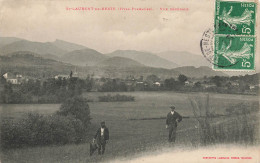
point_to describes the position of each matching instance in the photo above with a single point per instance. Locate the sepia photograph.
(129, 81)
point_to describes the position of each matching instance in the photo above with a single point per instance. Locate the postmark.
(234, 53)
(207, 48)
(206, 45)
(235, 18)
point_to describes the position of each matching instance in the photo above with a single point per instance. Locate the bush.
(68, 125)
(117, 97)
(243, 108)
(36, 129)
(78, 108)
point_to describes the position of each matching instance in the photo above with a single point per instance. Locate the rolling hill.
(119, 62)
(67, 46)
(137, 71)
(35, 47)
(199, 72)
(8, 40)
(185, 58)
(145, 58)
(51, 56)
(26, 59)
(84, 57)
(32, 64)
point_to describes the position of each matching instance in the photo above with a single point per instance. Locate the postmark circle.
(207, 48)
(206, 45)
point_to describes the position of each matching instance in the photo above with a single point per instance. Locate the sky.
(106, 31)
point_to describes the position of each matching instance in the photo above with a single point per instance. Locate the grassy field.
(128, 137)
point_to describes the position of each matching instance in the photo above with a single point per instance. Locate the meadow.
(135, 127)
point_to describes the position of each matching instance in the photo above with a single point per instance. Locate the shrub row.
(117, 97)
(36, 130)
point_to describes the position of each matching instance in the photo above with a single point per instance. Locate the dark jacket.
(98, 134)
(171, 119)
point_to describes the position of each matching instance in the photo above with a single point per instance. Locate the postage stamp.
(234, 52)
(235, 18)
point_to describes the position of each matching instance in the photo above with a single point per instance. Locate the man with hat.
(102, 137)
(172, 119)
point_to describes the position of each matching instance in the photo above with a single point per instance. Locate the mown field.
(129, 133)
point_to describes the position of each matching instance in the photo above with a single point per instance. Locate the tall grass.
(230, 128)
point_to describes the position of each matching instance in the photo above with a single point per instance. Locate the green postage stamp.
(234, 35)
(234, 52)
(235, 18)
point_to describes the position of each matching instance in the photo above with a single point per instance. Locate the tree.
(197, 85)
(152, 78)
(217, 80)
(71, 73)
(234, 78)
(243, 86)
(78, 108)
(170, 84)
(89, 83)
(109, 86)
(2, 80)
(182, 79)
(7, 93)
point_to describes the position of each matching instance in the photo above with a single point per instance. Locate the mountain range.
(83, 57)
(145, 58)
(185, 58)
(67, 46)
(8, 40)
(35, 47)
(78, 54)
(120, 62)
(89, 60)
(33, 64)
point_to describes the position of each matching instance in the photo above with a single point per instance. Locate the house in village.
(13, 78)
(208, 85)
(256, 86)
(234, 83)
(63, 77)
(158, 84)
(188, 83)
(140, 85)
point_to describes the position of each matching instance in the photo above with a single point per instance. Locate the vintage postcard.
(133, 81)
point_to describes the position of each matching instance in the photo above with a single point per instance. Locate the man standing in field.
(102, 137)
(173, 118)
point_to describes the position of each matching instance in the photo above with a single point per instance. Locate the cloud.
(110, 30)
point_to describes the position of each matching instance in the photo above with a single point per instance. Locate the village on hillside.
(21, 85)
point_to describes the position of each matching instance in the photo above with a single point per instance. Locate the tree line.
(57, 90)
(48, 91)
